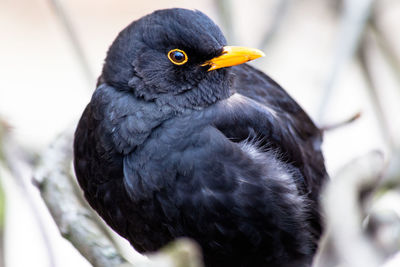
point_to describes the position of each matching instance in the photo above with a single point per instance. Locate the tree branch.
(2, 196)
(377, 103)
(345, 243)
(224, 8)
(79, 225)
(76, 45)
(279, 15)
(354, 19)
(19, 163)
(75, 222)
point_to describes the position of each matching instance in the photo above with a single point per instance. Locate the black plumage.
(225, 156)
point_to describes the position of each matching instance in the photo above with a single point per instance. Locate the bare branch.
(19, 162)
(354, 19)
(341, 123)
(384, 43)
(67, 26)
(374, 94)
(75, 222)
(224, 8)
(79, 225)
(279, 15)
(2, 197)
(345, 242)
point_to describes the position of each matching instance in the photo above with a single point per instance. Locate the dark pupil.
(178, 56)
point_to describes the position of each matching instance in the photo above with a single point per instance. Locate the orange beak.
(233, 55)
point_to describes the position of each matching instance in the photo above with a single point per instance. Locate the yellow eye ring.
(177, 56)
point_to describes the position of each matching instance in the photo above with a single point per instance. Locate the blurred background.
(336, 58)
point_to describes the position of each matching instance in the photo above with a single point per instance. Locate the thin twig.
(79, 225)
(353, 21)
(345, 242)
(75, 222)
(67, 26)
(387, 49)
(340, 124)
(279, 15)
(2, 198)
(374, 96)
(19, 163)
(224, 8)
(2, 220)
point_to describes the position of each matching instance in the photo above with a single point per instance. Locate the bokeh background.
(336, 58)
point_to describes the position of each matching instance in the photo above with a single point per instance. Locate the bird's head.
(174, 56)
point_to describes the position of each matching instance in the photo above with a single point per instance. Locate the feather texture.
(226, 157)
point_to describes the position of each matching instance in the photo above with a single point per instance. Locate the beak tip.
(234, 55)
(257, 54)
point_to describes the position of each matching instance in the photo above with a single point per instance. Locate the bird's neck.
(203, 95)
(127, 120)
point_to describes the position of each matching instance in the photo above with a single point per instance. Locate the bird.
(183, 138)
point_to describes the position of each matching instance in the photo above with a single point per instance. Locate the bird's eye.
(177, 56)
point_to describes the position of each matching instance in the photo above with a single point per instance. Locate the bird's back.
(257, 85)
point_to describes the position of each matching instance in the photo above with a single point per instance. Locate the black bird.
(175, 142)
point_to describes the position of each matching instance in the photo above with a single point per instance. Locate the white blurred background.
(51, 53)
